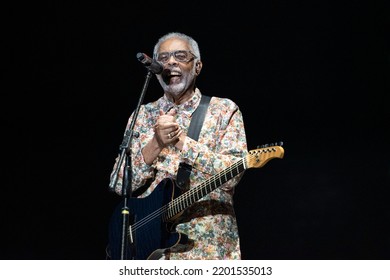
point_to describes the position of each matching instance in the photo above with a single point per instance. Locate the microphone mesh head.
(140, 56)
(156, 67)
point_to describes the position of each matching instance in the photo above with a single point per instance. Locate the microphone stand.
(125, 156)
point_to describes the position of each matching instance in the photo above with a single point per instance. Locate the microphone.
(153, 66)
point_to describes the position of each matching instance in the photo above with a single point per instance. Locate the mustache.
(169, 70)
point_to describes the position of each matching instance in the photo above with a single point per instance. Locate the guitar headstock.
(259, 157)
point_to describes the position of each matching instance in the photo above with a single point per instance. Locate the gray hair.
(189, 39)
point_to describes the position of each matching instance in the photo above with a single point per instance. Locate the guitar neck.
(255, 159)
(192, 195)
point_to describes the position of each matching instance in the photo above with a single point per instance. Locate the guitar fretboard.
(192, 195)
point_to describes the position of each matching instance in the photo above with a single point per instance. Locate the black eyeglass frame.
(174, 54)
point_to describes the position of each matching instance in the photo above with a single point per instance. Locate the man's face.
(179, 71)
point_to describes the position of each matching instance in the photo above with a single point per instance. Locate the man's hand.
(167, 130)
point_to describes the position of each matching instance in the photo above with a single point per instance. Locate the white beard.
(174, 89)
(178, 89)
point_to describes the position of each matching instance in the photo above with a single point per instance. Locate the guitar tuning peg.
(280, 143)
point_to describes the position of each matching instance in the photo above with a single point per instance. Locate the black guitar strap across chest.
(196, 124)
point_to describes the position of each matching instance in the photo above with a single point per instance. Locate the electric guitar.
(150, 221)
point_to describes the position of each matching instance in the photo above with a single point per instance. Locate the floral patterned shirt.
(210, 222)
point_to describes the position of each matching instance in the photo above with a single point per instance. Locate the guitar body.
(148, 236)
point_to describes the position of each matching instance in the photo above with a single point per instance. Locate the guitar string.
(191, 192)
(182, 197)
(183, 201)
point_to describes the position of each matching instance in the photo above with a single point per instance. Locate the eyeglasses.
(180, 56)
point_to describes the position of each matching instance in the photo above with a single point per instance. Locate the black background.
(313, 74)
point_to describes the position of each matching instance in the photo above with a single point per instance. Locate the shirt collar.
(186, 108)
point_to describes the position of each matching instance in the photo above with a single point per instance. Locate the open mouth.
(171, 76)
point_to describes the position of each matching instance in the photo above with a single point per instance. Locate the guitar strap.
(196, 124)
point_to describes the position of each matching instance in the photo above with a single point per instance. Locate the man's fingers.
(171, 112)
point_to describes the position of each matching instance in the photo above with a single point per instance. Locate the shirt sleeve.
(141, 171)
